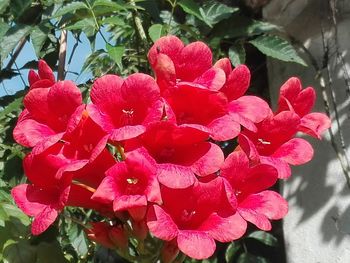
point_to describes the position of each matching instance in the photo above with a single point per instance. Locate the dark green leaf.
(236, 53)
(213, 12)
(276, 47)
(19, 252)
(264, 237)
(156, 31)
(18, 7)
(12, 37)
(50, 252)
(249, 258)
(90, 60)
(38, 36)
(231, 251)
(70, 8)
(116, 53)
(241, 26)
(191, 7)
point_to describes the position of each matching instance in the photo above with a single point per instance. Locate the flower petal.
(175, 176)
(160, 224)
(196, 244)
(296, 151)
(44, 220)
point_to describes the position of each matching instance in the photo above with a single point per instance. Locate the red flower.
(130, 184)
(43, 79)
(191, 86)
(197, 216)
(181, 153)
(294, 98)
(255, 204)
(47, 113)
(175, 63)
(108, 236)
(273, 143)
(123, 107)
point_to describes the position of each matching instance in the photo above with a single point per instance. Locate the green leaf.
(14, 105)
(116, 53)
(3, 29)
(264, 237)
(113, 20)
(276, 47)
(213, 12)
(3, 5)
(236, 53)
(91, 59)
(70, 8)
(87, 25)
(241, 26)
(156, 31)
(18, 7)
(191, 7)
(50, 252)
(78, 240)
(113, 6)
(38, 36)
(249, 258)
(12, 37)
(231, 251)
(19, 252)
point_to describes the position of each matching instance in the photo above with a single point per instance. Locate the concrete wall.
(317, 228)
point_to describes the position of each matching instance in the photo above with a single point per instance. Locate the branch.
(16, 53)
(62, 55)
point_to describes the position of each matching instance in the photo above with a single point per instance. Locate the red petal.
(105, 192)
(210, 162)
(282, 167)
(224, 229)
(168, 45)
(267, 203)
(315, 124)
(225, 65)
(140, 88)
(248, 147)
(160, 224)
(296, 151)
(67, 94)
(291, 88)
(44, 220)
(194, 60)
(213, 79)
(36, 103)
(236, 167)
(106, 92)
(30, 132)
(125, 202)
(250, 107)
(224, 128)
(32, 77)
(196, 244)
(237, 83)
(28, 199)
(45, 72)
(127, 132)
(175, 176)
(305, 101)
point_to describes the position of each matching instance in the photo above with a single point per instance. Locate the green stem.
(95, 19)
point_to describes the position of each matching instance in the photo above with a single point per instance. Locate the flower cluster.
(146, 150)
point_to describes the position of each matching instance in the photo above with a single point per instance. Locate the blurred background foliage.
(127, 29)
